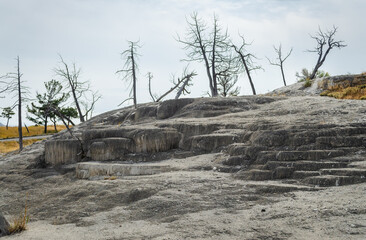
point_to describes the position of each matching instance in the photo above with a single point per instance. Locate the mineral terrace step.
(265, 156)
(304, 174)
(304, 165)
(86, 170)
(350, 141)
(210, 142)
(314, 155)
(278, 187)
(254, 174)
(110, 148)
(333, 180)
(251, 151)
(344, 172)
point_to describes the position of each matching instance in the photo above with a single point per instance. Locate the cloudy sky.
(93, 33)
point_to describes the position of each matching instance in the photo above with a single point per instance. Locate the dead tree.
(130, 68)
(212, 48)
(325, 43)
(150, 77)
(280, 60)
(21, 93)
(89, 102)
(79, 90)
(183, 89)
(181, 84)
(227, 85)
(246, 60)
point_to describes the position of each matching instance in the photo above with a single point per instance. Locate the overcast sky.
(93, 33)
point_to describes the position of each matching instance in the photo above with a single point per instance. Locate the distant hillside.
(2, 125)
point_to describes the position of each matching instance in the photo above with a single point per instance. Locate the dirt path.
(24, 138)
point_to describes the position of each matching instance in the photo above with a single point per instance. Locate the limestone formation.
(4, 226)
(62, 151)
(305, 138)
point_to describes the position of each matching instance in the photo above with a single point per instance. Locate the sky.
(93, 34)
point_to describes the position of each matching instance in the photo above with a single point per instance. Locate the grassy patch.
(33, 131)
(19, 223)
(356, 92)
(9, 146)
(307, 83)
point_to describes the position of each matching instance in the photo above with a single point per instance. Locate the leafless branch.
(325, 43)
(246, 60)
(79, 90)
(130, 68)
(280, 60)
(212, 47)
(181, 84)
(150, 77)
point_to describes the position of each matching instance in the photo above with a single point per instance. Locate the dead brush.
(340, 92)
(19, 223)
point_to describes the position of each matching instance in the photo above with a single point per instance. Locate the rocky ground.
(203, 189)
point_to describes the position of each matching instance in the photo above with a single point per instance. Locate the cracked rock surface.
(252, 167)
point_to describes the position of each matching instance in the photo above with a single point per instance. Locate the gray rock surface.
(4, 226)
(233, 168)
(62, 151)
(265, 137)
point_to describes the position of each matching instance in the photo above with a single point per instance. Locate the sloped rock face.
(150, 129)
(263, 138)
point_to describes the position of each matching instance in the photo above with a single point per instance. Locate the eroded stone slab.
(87, 170)
(65, 151)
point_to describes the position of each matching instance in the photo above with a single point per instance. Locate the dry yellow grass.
(357, 92)
(33, 131)
(9, 146)
(110, 178)
(19, 223)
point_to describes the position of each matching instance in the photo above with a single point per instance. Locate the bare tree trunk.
(181, 89)
(209, 76)
(72, 135)
(150, 76)
(324, 39)
(133, 76)
(280, 60)
(247, 70)
(316, 68)
(73, 88)
(213, 61)
(7, 124)
(25, 125)
(61, 116)
(204, 55)
(283, 75)
(81, 116)
(248, 74)
(45, 125)
(19, 108)
(169, 91)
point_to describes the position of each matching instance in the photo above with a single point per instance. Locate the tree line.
(56, 103)
(67, 97)
(223, 59)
